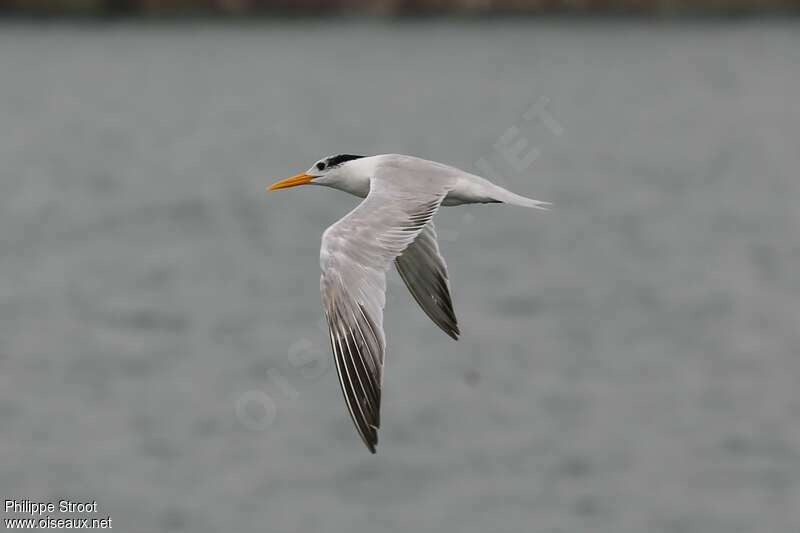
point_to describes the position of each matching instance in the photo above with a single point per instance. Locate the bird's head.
(337, 171)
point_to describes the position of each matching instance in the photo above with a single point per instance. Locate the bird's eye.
(320, 166)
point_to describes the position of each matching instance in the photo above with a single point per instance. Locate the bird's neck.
(355, 178)
(356, 186)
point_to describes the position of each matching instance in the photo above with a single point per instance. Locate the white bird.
(393, 224)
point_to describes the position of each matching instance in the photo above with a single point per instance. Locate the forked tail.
(507, 197)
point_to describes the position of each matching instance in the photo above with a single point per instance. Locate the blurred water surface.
(629, 359)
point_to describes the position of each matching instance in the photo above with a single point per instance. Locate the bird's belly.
(451, 200)
(467, 195)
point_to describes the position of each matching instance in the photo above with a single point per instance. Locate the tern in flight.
(393, 224)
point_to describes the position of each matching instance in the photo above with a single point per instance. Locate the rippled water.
(629, 359)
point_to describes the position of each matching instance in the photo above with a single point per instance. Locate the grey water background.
(629, 359)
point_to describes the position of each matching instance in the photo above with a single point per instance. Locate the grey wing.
(358, 346)
(424, 271)
(354, 257)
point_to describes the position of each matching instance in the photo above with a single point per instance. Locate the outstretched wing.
(355, 254)
(422, 268)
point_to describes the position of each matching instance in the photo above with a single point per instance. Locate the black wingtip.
(372, 444)
(452, 333)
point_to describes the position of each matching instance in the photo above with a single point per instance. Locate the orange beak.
(299, 179)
